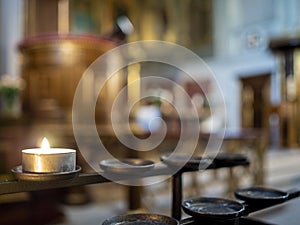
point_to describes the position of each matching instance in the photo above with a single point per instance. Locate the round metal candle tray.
(19, 174)
(126, 165)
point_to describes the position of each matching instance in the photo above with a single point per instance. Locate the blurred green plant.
(10, 88)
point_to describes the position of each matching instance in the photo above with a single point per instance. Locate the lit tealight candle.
(48, 160)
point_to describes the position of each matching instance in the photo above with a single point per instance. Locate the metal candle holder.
(55, 160)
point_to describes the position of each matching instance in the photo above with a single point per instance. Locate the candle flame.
(45, 144)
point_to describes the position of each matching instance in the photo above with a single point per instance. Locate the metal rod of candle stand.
(15, 186)
(176, 195)
(134, 197)
(177, 185)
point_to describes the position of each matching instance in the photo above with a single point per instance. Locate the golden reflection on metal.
(67, 47)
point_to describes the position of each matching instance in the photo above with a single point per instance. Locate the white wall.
(236, 24)
(11, 31)
(236, 21)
